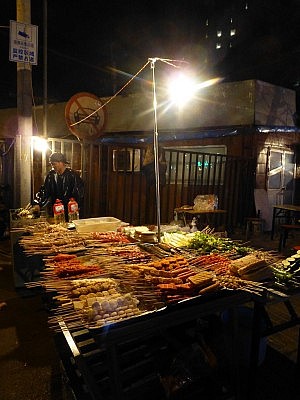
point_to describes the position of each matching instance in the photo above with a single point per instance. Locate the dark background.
(96, 46)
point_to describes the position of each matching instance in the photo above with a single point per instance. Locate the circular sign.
(85, 115)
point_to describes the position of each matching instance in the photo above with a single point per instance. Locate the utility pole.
(45, 69)
(23, 154)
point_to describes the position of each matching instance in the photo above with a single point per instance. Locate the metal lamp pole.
(155, 148)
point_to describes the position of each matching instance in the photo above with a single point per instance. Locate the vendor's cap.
(58, 157)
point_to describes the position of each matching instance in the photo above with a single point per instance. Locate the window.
(218, 46)
(219, 33)
(126, 160)
(232, 32)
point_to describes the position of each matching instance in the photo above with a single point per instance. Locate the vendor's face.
(58, 166)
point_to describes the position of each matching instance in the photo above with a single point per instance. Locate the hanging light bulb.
(40, 144)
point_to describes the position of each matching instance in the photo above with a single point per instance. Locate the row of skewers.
(152, 275)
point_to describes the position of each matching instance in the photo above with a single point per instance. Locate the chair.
(254, 224)
(259, 224)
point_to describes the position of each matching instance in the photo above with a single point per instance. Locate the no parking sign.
(85, 115)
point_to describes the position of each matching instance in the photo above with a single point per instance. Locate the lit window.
(219, 33)
(246, 6)
(232, 32)
(206, 36)
(196, 164)
(230, 44)
(206, 22)
(218, 45)
(231, 20)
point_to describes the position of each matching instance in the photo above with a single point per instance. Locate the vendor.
(60, 183)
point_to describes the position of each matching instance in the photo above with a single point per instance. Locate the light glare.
(181, 89)
(39, 144)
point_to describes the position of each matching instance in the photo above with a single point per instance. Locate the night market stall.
(134, 316)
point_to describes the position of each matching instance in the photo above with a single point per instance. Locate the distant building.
(251, 40)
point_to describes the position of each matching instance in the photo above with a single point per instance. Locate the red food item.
(185, 287)
(64, 257)
(68, 271)
(167, 286)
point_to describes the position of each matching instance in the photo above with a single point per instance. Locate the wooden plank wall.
(130, 194)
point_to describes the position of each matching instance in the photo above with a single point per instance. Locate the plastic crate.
(100, 224)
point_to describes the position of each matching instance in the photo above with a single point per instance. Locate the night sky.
(96, 46)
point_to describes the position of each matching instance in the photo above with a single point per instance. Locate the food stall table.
(287, 212)
(208, 215)
(25, 269)
(264, 326)
(120, 361)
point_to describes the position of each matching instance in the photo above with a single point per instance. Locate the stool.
(285, 229)
(254, 224)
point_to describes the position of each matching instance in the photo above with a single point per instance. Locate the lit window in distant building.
(230, 44)
(206, 36)
(231, 20)
(219, 33)
(206, 22)
(232, 32)
(218, 46)
(246, 6)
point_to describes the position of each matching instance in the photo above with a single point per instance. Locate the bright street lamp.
(155, 133)
(182, 90)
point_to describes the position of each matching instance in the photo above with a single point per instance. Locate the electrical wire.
(150, 60)
(111, 98)
(4, 153)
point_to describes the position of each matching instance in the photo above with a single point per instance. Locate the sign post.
(23, 51)
(23, 43)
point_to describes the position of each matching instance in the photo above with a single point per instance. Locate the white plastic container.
(100, 224)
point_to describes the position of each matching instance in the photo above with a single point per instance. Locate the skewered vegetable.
(209, 243)
(287, 272)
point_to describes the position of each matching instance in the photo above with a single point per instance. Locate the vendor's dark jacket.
(62, 187)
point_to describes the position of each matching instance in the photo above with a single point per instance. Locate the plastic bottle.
(58, 212)
(73, 210)
(194, 225)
